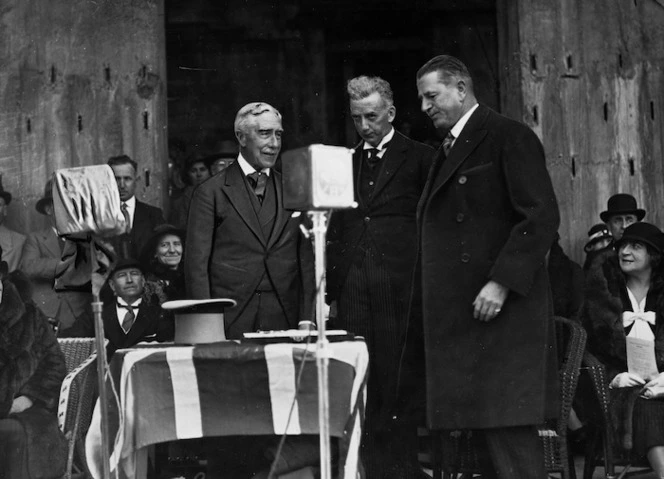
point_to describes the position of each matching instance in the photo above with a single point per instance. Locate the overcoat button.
(462, 180)
(459, 217)
(465, 257)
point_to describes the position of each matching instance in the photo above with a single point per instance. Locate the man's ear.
(462, 88)
(111, 284)
(391, 113)
(241, 138)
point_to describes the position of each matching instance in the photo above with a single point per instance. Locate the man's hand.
(489, 301)
(20, 404)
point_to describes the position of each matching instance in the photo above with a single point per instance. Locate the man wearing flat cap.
(10, 241)
(131, 316)
(41, 258)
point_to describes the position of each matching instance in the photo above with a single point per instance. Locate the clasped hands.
(489, 301)
(651, 389)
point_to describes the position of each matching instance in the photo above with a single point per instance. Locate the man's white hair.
(250, 110)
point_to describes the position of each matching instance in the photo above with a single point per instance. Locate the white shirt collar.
(133, 305)
(458, 127)
(381, 145)
(121, 312)
(247, 169)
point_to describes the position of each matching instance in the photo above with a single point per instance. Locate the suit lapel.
(391, 162)
(113, 330)
(438, 159)
(282, 215)
(52, 243)
(142, 323)
(471, 136)
(357, 170)
(237, 193)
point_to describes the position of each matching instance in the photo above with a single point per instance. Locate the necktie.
(447, 143)
(129, 318)
(372, 157)
(640, 321)
(125, 213)
(258, 181)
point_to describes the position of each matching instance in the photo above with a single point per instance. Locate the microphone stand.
(319, 228)
(102, 366)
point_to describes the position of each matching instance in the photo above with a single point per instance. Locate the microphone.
(86, 201)
(318, 177)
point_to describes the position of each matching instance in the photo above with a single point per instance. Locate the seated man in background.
(10, 241)
(41, 257)
(130, 316)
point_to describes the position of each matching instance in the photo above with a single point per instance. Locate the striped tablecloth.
(164, 393)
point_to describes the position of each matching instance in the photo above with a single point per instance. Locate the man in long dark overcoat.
(487, 217)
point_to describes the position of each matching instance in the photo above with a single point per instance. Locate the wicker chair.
(459, 448)
(602, 446)
(77, 397)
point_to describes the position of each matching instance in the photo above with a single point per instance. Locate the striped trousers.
(371, 307)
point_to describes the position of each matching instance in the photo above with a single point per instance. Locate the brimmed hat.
(622, 204)
(596, 234)
(5, 195)
(157, 233)
(125, 263)
(199, 320)
(47, 199)
(645, 233)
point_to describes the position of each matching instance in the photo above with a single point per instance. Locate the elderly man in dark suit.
(371, 254)
(41, 258)
(142, 218)
(487, 217)
(241, 242)
(131, 315)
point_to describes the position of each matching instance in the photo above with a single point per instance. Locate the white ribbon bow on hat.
(640, 330)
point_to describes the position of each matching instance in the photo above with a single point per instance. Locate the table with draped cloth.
(168, 392)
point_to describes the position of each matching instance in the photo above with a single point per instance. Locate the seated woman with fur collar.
(32, 368)
(624, 298)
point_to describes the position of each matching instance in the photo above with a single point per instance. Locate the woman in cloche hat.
(625, 299)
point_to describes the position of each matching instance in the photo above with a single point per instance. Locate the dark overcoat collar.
(443, 168)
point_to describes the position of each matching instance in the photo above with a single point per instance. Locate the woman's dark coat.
(32, 365)
(601, 315)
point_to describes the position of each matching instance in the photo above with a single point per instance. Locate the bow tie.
(640, 321)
